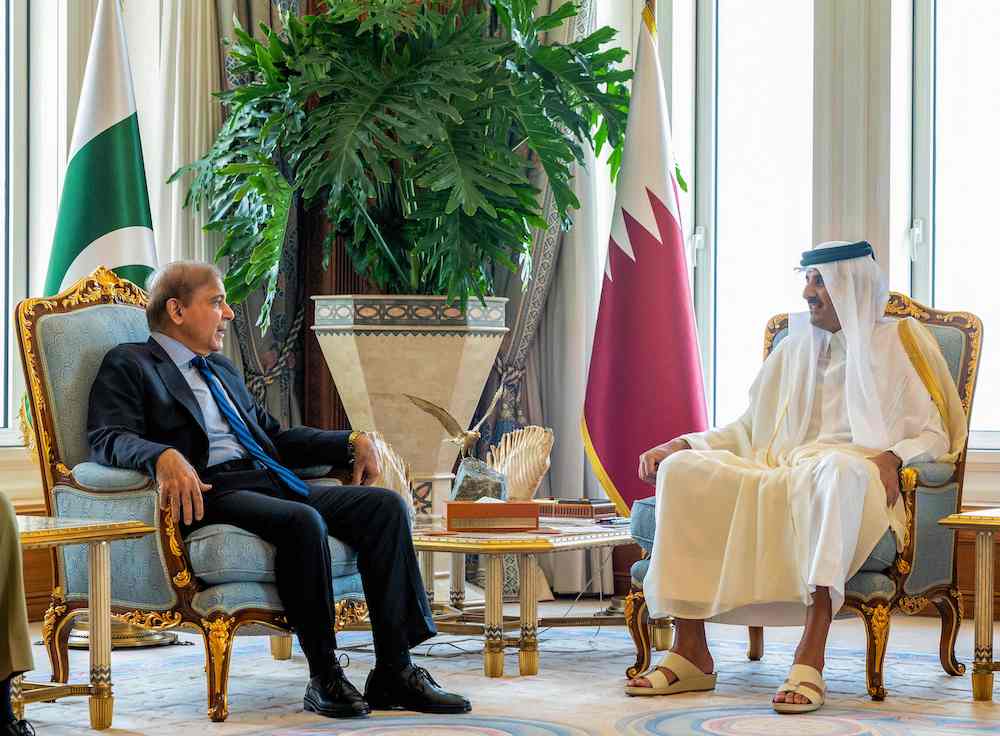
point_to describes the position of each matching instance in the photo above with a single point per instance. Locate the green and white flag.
(104, 217)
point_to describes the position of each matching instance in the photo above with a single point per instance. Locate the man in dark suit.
(175, 408)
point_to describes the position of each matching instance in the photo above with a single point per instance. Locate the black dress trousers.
(373, 521)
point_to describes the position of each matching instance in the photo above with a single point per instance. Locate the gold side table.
(985, 523)
(489, 621)
(40, 532)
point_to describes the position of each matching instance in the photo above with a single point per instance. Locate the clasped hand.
(888, 464)
(649, 461)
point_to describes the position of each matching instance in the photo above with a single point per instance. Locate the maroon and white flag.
(645, 383)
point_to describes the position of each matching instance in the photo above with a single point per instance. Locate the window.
(956, 58)
(13, 177)
(754, 182)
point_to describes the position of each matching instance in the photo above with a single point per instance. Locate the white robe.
(750, 522)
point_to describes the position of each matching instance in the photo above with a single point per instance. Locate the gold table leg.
(281, 646)
(16, 699)
(493, 617)
(457, 594)
(527, 655)
(101, 700)
(982, 667)
(427, 573)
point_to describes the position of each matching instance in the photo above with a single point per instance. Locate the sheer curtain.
(556, 375)
(193, 66)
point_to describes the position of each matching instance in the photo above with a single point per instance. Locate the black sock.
(397, 664)
(6, 709)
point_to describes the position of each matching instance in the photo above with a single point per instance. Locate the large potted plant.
(419, 128)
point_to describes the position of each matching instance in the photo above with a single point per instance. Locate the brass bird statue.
(465, 439)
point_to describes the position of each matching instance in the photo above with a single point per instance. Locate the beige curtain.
(193, 65)
(190, 117)
(556, 370)
(272, 363)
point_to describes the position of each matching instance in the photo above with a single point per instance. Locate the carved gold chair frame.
(875, 612)
(218, 630)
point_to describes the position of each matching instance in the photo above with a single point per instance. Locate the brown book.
(596, 510)
(510, 516)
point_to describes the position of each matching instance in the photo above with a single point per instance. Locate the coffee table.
(40, 532)
(985, 523)
(458, 618)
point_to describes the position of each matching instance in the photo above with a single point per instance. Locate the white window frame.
(705, 185)
(923, 187)
(14, 138)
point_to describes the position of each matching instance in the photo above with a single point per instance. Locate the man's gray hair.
(178, 280)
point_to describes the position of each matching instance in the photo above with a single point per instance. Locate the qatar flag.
(645, 383)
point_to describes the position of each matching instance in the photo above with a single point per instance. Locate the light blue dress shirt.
(222, 443)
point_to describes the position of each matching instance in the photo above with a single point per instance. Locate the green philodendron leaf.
(415, 130)
(680, 178)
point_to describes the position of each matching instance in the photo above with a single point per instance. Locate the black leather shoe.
(411, 688)
(17, 728)
(332, 695)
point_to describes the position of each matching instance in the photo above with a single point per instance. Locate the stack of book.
(585, 510)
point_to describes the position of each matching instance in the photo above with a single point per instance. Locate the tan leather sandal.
(816, 695)
(690, 678)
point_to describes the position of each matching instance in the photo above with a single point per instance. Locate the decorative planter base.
(379, 348)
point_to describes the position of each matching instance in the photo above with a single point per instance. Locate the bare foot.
(701, 658)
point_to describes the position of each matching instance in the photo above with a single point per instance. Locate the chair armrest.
(927, 475)
(107, 479)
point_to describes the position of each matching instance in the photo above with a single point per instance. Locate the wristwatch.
(351, 439)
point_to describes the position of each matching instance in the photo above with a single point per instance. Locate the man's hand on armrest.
(888, 464)
(180, 486)
(649, 461)
(367, 462)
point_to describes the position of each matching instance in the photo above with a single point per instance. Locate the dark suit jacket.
(141, 405)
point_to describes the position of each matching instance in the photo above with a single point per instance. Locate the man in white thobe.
(763, 521)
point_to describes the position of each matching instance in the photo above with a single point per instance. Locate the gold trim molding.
(155, 620)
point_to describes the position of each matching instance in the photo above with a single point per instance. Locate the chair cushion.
(644, 529)
(231, 598)
(643, 523)
(222, 553)
(868, 585)
(882, 556)
(639, 570)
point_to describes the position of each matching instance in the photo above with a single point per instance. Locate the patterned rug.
(577, 692)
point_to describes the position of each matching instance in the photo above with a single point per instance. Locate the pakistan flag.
(104, 215)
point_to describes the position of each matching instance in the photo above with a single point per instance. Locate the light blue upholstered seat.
(886, 581)
(221, 553)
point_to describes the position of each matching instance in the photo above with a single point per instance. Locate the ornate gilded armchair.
(889, 581)
(220, 580)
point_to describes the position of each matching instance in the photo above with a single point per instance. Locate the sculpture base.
(123, 636)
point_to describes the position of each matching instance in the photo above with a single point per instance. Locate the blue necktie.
(291, 481)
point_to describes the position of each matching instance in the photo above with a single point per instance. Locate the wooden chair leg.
(281, 646)
(949, 605)
(876, 618)
(218, 634)
(57, 624)
(755, 650)
(637, 621)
